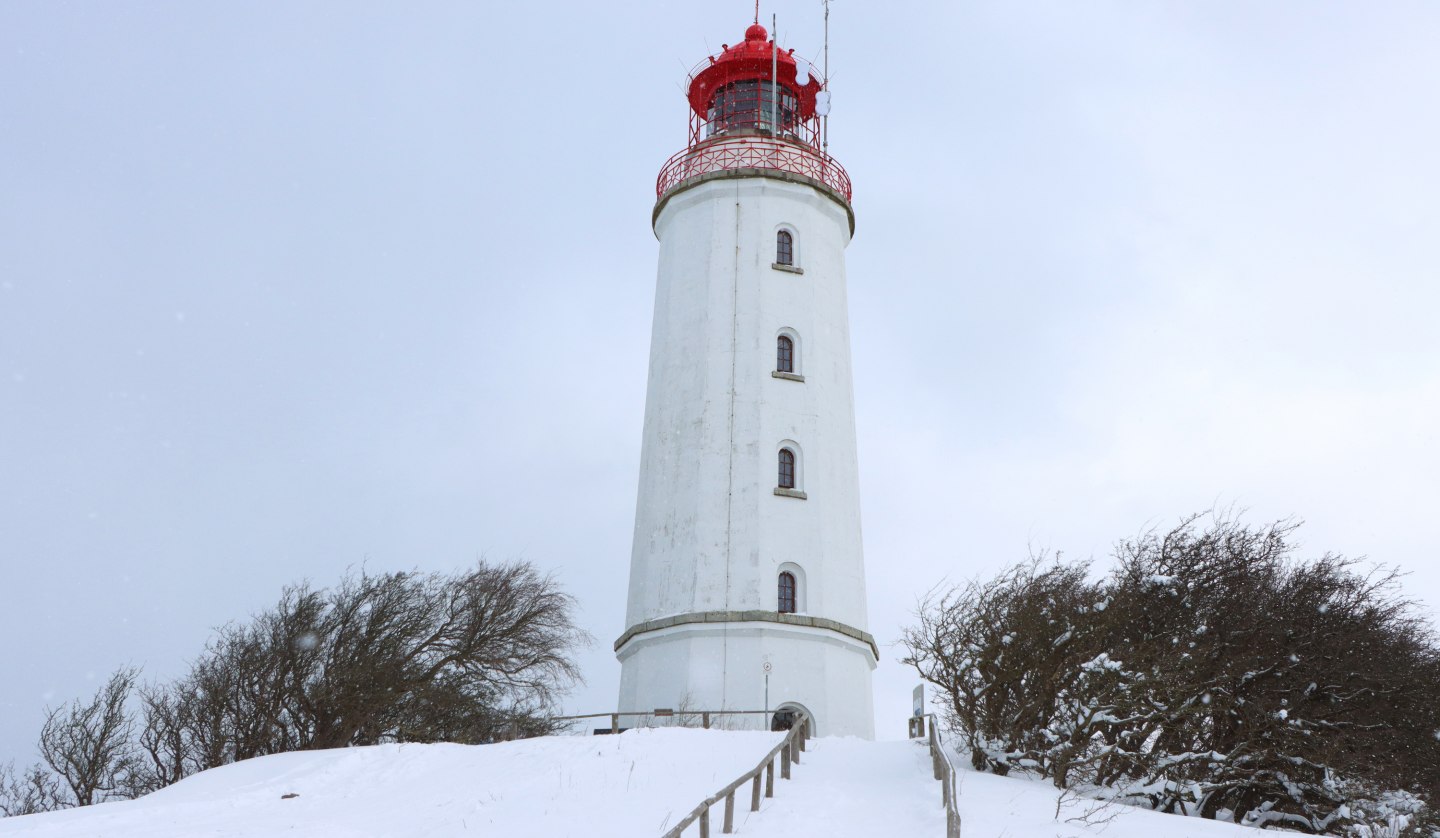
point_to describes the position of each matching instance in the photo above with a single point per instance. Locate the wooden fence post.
(705, 720)
(795, 757)
(729, 813)
(705, 823)
(755, 793)
(785, 762)
(770, 778)
(614, 722)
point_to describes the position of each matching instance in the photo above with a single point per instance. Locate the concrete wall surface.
(711, 532)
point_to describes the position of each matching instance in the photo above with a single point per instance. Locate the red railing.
(751, 152)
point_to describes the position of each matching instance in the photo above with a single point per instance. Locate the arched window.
(787, 593)
(784, 248)
(787, 468)
(784, 354)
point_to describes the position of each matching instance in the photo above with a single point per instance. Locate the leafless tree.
(470, 657)
(395, 657)
(87, 744)
(29, 792)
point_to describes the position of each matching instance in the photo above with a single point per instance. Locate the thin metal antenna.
(757, 11)
(825, 120)
(774, 75)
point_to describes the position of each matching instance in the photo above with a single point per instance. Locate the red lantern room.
(755, 107)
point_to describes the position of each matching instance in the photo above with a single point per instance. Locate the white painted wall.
(710, 534)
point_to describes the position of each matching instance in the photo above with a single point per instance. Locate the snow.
(635, 784)
(849, 788)
(1020, 807)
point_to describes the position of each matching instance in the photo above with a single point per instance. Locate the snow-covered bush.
(1209, 673)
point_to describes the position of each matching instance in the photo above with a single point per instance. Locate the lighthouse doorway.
(786, 717)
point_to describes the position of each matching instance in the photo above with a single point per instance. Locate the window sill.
(789, 269)
(787, 376)
(790, 493)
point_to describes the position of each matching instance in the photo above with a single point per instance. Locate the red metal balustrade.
(752, 152)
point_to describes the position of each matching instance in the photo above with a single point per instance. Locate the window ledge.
(789, 269)
(790, 493)
(788, 376)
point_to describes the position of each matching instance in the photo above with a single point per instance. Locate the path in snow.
(848, 788)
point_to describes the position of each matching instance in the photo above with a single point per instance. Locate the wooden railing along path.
(788, 751)
(945, 773)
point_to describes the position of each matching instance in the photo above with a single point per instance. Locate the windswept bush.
(397, 657)
(1210, 672)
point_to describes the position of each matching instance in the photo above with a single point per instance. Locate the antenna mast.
(774, 75)
(825, 120)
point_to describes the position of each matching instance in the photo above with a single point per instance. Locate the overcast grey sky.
(289, 287)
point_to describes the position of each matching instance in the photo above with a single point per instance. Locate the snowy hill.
(629, 786)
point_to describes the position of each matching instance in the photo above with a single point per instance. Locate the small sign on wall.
(918, 699)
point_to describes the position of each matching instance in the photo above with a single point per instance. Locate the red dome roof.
(749, 61)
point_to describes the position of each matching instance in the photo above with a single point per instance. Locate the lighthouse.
(747, 577)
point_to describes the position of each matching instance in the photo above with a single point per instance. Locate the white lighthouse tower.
(747, 578)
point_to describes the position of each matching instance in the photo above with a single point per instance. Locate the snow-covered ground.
(1019, 807)
(627, 786)
(848, 788)
(631, 786)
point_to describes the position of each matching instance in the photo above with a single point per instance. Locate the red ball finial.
(756, 32)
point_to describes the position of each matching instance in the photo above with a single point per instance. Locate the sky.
(287, 289)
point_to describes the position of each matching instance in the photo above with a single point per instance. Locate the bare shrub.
(395, 657)
(468, 657)
(1211, 672)
(87, 744)
(29, 792)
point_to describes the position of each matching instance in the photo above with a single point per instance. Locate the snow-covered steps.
(631, 786)
(849, 788)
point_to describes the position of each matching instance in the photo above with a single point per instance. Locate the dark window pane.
(787, 593)
(751, 105)
(787, 468)
(784, 354)
(784, 248)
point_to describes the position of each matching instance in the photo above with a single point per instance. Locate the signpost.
(917, 716)
(766, 666)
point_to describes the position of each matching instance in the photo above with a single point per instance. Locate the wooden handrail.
(789, 751)
(945, 773)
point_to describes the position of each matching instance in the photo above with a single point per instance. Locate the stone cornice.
(757, 616)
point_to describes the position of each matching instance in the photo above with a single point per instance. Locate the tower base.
(701, 664)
